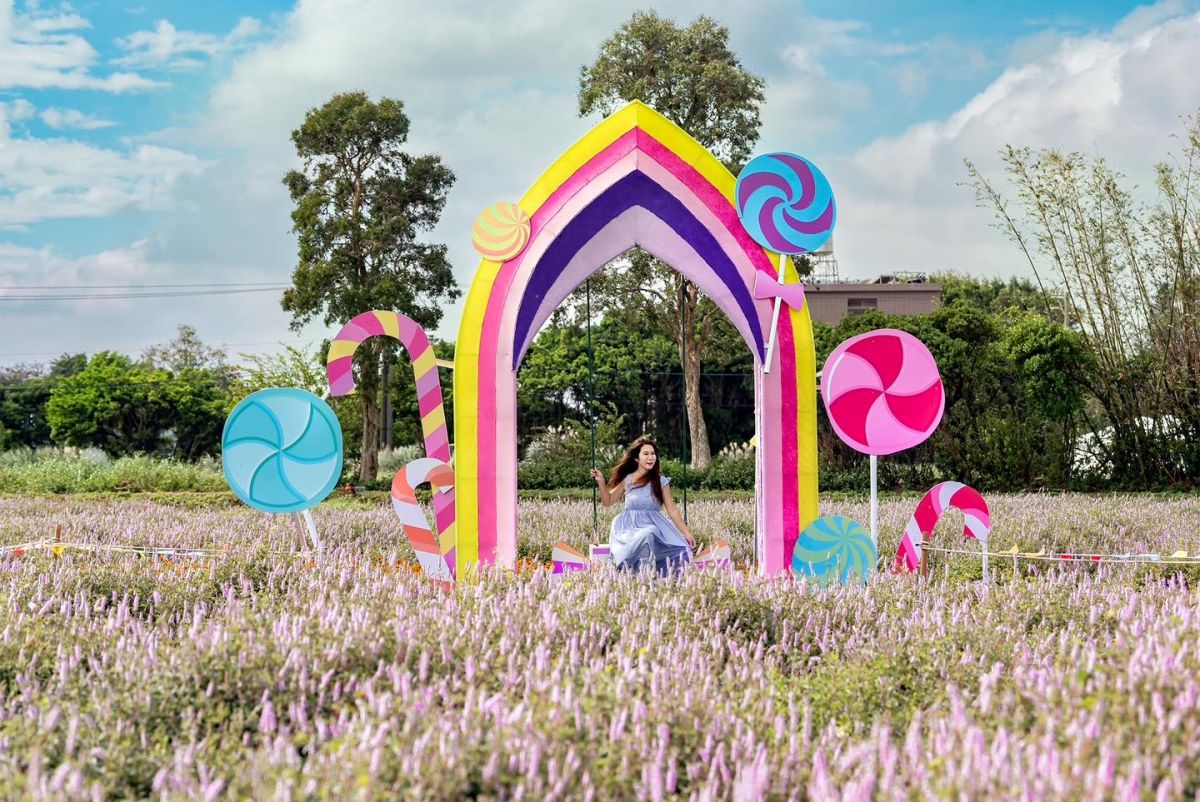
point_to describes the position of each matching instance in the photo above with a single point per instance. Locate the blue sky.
(142, 143)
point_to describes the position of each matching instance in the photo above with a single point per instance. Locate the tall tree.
(690, 76)
(1129, 280)
(361, 203)
(24, 391)
(186, 351)
(126, 408)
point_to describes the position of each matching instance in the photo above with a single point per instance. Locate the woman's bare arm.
(608, 497)
(676, 518)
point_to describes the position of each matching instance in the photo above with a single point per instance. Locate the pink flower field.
(259, 673)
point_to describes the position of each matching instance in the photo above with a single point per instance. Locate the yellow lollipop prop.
(501, 232)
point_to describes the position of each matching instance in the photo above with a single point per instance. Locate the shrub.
(51, 470)
(733, 469)
(560, 456)
(392, 461)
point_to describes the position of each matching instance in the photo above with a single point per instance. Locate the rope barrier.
(58, 546)
(1178, 558)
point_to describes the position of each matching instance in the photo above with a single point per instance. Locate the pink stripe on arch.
(341, 375)
(789, 415)
(437, 444)
(770, 494)
(412, 336)
(354, 332)
(495, 352)
(443, 510)
(598, 164)
(712, 197)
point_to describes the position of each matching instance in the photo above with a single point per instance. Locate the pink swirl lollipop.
(883, 392)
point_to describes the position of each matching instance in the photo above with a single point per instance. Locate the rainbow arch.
(634, 179)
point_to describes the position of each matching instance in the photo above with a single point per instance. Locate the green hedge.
(54, 471)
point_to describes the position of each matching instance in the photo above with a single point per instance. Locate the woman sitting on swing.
(641, 535)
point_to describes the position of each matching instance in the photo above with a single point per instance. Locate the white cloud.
(118, 266)
(44, 51)
(492, 89)
(1117, 94)
(73, 118)
(166, 46)
(17, 110)
(46, 179)
(236, 319)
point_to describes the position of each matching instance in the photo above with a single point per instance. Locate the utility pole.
(385, 431)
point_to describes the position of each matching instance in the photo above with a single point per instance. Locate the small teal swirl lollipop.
(282, 450)
(833, 549)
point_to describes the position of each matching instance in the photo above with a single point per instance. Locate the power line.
(136, 349)
(136, 296)
(51, 381)
(135, 286)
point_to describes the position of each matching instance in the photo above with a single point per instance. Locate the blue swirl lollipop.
(282, 450)
(785, 203)
(832, 549)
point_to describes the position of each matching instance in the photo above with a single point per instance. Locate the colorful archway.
(635, 179)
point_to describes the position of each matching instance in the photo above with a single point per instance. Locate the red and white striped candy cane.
(436, 555)
(931, 507)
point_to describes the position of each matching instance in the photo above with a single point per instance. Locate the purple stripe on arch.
(635, 189)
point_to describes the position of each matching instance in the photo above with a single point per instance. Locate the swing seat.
(567, 559)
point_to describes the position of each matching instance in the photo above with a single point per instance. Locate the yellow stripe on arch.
(466, 417)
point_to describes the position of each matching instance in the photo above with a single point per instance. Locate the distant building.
(897, 294)
(830, 299)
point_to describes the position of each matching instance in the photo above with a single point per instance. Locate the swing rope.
(683, 374)
(592, 394)
(592, 400)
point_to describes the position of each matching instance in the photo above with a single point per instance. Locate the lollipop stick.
(299, 524)
(875, 500)
(312, 529)
(775, 316)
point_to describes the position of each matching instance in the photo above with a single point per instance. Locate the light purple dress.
(642, 536)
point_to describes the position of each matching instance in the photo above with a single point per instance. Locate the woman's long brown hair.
(629, 464)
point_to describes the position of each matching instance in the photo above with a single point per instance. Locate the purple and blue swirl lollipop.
(785, 203)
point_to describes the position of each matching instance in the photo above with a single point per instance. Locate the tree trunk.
(697, 429)
(689, 356)
(386, 438)
(368, 390)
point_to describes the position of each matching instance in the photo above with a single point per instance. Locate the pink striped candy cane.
(429, 391)
(931, 507)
